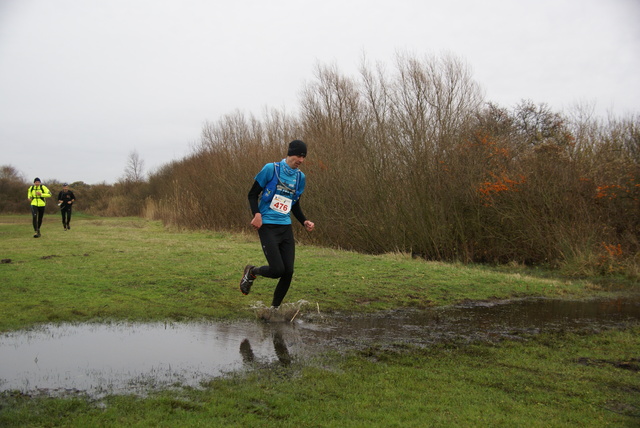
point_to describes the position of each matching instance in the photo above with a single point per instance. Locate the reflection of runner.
(279, 345)
(247, 352)
(279, 186)
(281, 349)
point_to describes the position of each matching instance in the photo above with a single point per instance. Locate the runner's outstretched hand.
(256, 221)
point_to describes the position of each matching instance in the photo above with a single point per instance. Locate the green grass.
(130, 268)
(133, 269)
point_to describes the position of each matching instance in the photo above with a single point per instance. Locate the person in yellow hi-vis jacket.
(36, 195)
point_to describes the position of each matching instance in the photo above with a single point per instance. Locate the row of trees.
(124, 198)
(415, 160)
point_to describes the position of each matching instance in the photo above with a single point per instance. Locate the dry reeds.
(413, 161)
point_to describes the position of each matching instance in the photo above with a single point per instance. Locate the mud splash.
(124, 358)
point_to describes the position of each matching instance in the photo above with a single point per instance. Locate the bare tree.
(9, 172)
(134, 171)
(12, 187)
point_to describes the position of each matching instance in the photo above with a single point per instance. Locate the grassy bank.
(107, 268)
(115, 268)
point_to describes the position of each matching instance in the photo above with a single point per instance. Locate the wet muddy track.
(486, 320)
(138, 357)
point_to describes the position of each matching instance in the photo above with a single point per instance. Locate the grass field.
(132, 269)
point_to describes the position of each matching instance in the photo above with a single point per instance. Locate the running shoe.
(247, 280)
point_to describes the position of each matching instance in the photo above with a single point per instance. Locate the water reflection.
(279, 346)
(138, 357)
(134, 357)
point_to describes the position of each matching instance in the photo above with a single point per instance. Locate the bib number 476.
(281, 204)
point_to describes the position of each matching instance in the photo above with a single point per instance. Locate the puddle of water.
(134, 357)
(119, 358)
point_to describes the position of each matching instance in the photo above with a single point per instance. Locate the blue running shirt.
(286, 187)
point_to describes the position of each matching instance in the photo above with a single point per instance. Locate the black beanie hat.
(36, 179)
(297, 148)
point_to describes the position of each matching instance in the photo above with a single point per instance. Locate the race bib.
(281, 204)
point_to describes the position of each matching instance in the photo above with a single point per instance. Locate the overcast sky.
(83, 83)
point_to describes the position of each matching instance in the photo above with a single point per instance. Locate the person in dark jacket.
(66, 198)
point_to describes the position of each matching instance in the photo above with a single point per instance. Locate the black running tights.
(38, 214)
(280, 250)
(66, 215)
